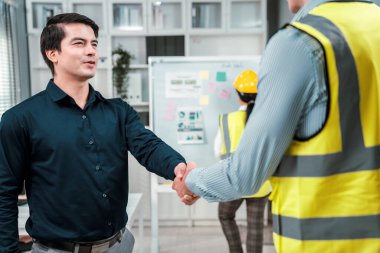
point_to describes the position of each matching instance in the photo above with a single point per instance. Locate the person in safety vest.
(314, 132)
(231, 127)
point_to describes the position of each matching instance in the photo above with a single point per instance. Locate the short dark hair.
(53, 33)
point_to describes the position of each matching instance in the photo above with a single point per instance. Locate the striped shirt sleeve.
(291, 101)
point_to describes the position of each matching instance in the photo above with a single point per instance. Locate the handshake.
(181, 171)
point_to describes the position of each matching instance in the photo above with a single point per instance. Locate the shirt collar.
(57, 94)
(97, 94)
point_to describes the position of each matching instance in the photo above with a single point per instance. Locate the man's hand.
(181, 172)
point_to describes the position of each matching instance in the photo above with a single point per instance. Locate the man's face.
(295, 5)
(78, 57)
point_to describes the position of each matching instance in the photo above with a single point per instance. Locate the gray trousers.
(125, 246)
(255, 224)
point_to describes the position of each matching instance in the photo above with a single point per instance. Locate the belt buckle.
(100, 248)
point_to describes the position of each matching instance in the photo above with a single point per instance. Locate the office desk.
(133, 210)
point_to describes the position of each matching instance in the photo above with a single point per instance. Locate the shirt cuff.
(192, 178)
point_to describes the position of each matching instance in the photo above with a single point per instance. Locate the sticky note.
(211, 87)
(170, 110)
(224, 94)
(204, 75)
(221, 76)
(204, 100)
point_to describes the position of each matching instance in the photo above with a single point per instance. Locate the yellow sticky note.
(203, 75)
(203, 100)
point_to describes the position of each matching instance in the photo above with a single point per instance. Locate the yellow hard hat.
(246, 82)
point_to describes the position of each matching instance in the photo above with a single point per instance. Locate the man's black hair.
(53, 33)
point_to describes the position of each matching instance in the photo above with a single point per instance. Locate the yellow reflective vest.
(326, 190)
(232, 126)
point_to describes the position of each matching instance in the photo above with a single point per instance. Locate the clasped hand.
(179, 185)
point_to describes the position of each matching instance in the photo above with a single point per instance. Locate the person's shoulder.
(14, 115)
(28, 105)
(118, 103)
(292, 38)
(288, 37)
(238, 112)
(115, 101)
(285, 33)
(291, 46)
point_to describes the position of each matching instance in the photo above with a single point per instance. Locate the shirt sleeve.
(13, 160)
(285, 85)
(149, 150)
(218, 144)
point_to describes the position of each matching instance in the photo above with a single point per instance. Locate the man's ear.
(52, 55)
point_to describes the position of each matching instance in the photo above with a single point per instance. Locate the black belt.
(84, 247)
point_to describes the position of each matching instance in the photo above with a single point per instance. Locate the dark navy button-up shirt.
(75, 165)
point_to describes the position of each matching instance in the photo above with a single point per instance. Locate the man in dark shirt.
(71, 145)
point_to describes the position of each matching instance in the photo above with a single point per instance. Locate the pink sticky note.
(224, 94)
(211, 87)
(170, 110)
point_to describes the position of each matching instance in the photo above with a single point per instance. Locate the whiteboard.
(212, 93)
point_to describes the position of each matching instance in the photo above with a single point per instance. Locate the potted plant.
(120, 68)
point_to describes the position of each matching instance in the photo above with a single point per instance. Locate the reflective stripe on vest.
(326, 191)
(232, 127)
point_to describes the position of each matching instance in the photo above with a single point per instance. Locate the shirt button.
(84, 117)
(104, 195)
(97, 167)
(91, 142)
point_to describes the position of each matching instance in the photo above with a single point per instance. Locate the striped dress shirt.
(291, 104)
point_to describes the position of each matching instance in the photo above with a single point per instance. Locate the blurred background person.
(231, 127)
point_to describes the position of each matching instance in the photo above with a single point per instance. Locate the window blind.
(8, 84)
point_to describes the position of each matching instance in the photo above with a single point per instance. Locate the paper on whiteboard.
(181, 84)
(190, 125)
